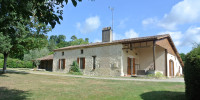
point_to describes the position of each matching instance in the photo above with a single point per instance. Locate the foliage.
(60, 41)
(20, 18)
(182, 56)
(16, 63)
(34, 54)
(192, 74)
(74, 67)
(1, 56)
(76, 41)
(5, 43)
(157, 75)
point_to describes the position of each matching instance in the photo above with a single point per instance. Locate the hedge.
(16, 63)
(192, 74)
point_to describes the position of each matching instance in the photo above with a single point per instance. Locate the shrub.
(157, 75)
(192, 74)
(75, 69)
(16, 63)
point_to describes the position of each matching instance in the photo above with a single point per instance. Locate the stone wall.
(108, 60)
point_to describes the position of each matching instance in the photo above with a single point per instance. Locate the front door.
(131, 66)
(171, 68)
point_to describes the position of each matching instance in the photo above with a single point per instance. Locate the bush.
(192, 74)
(16, 63)
(75, 69)
(157, 75)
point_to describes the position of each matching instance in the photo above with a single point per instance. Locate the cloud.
(122, 23)
(90, 25)
(185, 39)
(184, 12)
(192, 35)
(128, 34)
(176, 36)
(97, 40)
(149, 21)
(131, 34)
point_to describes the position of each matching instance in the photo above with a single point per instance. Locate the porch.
(143, 58)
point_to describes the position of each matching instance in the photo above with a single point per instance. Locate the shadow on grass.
(12, 72)
(12, 94)
(163, 95)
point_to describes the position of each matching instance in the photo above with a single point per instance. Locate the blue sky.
(133, 18)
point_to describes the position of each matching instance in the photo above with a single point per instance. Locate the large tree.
(16, 21)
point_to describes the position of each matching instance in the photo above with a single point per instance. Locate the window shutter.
(129, 65)
(83, 63)
(78, 61)
(63, 63)
(59, 64)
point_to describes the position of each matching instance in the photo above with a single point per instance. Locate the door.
(82, 63)
(131, 66)
(171, 68)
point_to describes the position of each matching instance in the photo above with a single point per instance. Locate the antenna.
(112, 9)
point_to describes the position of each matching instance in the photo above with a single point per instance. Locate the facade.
(135, 56)
(46, 63)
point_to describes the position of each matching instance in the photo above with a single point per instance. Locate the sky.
(132, 19)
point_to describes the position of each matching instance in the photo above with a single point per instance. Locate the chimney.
(107, 34)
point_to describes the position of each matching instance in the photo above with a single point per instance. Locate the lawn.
(18, 86)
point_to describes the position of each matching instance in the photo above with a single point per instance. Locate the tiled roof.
(115, 42)
(49, 57)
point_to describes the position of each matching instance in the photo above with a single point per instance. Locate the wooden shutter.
(133, 65)
(78, 61)
(83, 63)
(59, 64)
(63, 63)
(129, 66)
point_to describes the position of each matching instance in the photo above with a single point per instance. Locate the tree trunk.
(5, 62)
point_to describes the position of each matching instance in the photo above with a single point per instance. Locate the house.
(134, 56)
(46, 62)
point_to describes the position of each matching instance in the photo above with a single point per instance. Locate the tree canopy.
(22, 20)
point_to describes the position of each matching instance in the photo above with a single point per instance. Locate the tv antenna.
(112, 9)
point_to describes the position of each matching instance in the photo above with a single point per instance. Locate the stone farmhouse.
(127, 57)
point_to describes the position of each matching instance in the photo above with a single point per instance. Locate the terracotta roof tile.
(115, 42)
(49, 57)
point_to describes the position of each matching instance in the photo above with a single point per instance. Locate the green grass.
(18, 86)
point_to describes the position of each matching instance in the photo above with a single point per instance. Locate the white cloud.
(90, 24)
(176, 36)
(97, 40)
(128, 34)
(192, 35)
(149, 21)
(131, 34)
(185, 39)
(122, 23)
(184, 12)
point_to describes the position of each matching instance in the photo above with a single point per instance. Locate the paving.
(105, 78)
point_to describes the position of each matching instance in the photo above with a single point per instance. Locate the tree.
(73, 38)
(76, 41)
(33, 55)
(192, 74)
(183, 56)
(5, 47)
(15, 20)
